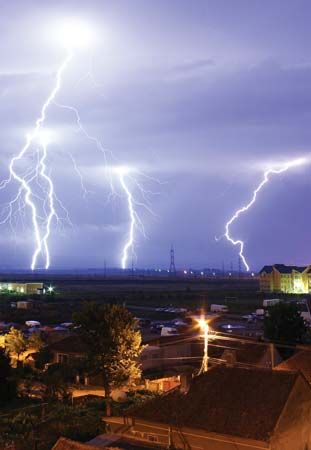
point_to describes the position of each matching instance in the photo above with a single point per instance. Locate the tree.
(113, 343)
(7, 385)
(54, 379)
(15, 342)
(284, 323)
(43, 357)
(19, 430)
(35, 342)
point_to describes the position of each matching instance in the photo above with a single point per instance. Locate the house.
(234, 351)
(167, 351)
(68, 349)
(167, 360)
(22, 288)
(27, 304)
(287, 279)
(300, 361)
(227, 409)
(72, 350)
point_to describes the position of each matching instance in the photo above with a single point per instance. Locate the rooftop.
(70, 344)
(300, 361)
(282, 268)
(245, 352)
(231, 401)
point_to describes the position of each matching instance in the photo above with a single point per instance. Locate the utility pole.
(172, 264)
(240, 266)
(204, 327)
(132, 266)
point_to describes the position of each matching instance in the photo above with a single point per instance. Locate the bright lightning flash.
(128, 177)
(123, 172)
(73, 35)
(270, 171)
(43, 205)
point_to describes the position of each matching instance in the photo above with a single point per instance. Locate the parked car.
(219, 308)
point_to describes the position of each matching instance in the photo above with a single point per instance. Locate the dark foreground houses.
(227, 409)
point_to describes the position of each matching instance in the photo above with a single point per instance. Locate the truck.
(219, 308)
(271, 302)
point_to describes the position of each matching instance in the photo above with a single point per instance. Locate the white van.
(219, 308)
(169, 331)
(270, 302)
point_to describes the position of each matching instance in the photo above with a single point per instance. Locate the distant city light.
(185, 272)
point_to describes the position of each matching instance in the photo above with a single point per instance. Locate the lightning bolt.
(266, 178)
(51, 214)
(130, 240)
(41, 242)
(129, 182)
(124, 174)
(36, 191)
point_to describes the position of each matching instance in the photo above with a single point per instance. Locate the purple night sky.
(201, 95)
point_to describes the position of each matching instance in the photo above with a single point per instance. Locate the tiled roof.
(300, 361)
(267, 269)
(288, 269)
(282, 268)
(231, 401)
(70, 344)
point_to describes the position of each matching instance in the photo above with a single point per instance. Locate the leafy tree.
(15, 342)
(284, 323)
(54, 379)
(113, 343)
(7, 385)
(35, 342)
(43, 357)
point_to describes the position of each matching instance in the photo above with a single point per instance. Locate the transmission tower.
(172, 264)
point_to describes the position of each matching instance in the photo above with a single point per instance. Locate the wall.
(159, 357)
(188, 438)
(293, 430)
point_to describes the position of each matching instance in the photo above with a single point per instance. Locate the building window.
(62, 359)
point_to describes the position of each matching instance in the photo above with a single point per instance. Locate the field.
(142, 296)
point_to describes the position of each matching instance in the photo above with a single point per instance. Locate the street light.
(204, 327)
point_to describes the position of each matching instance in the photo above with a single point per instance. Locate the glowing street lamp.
(204, 327)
